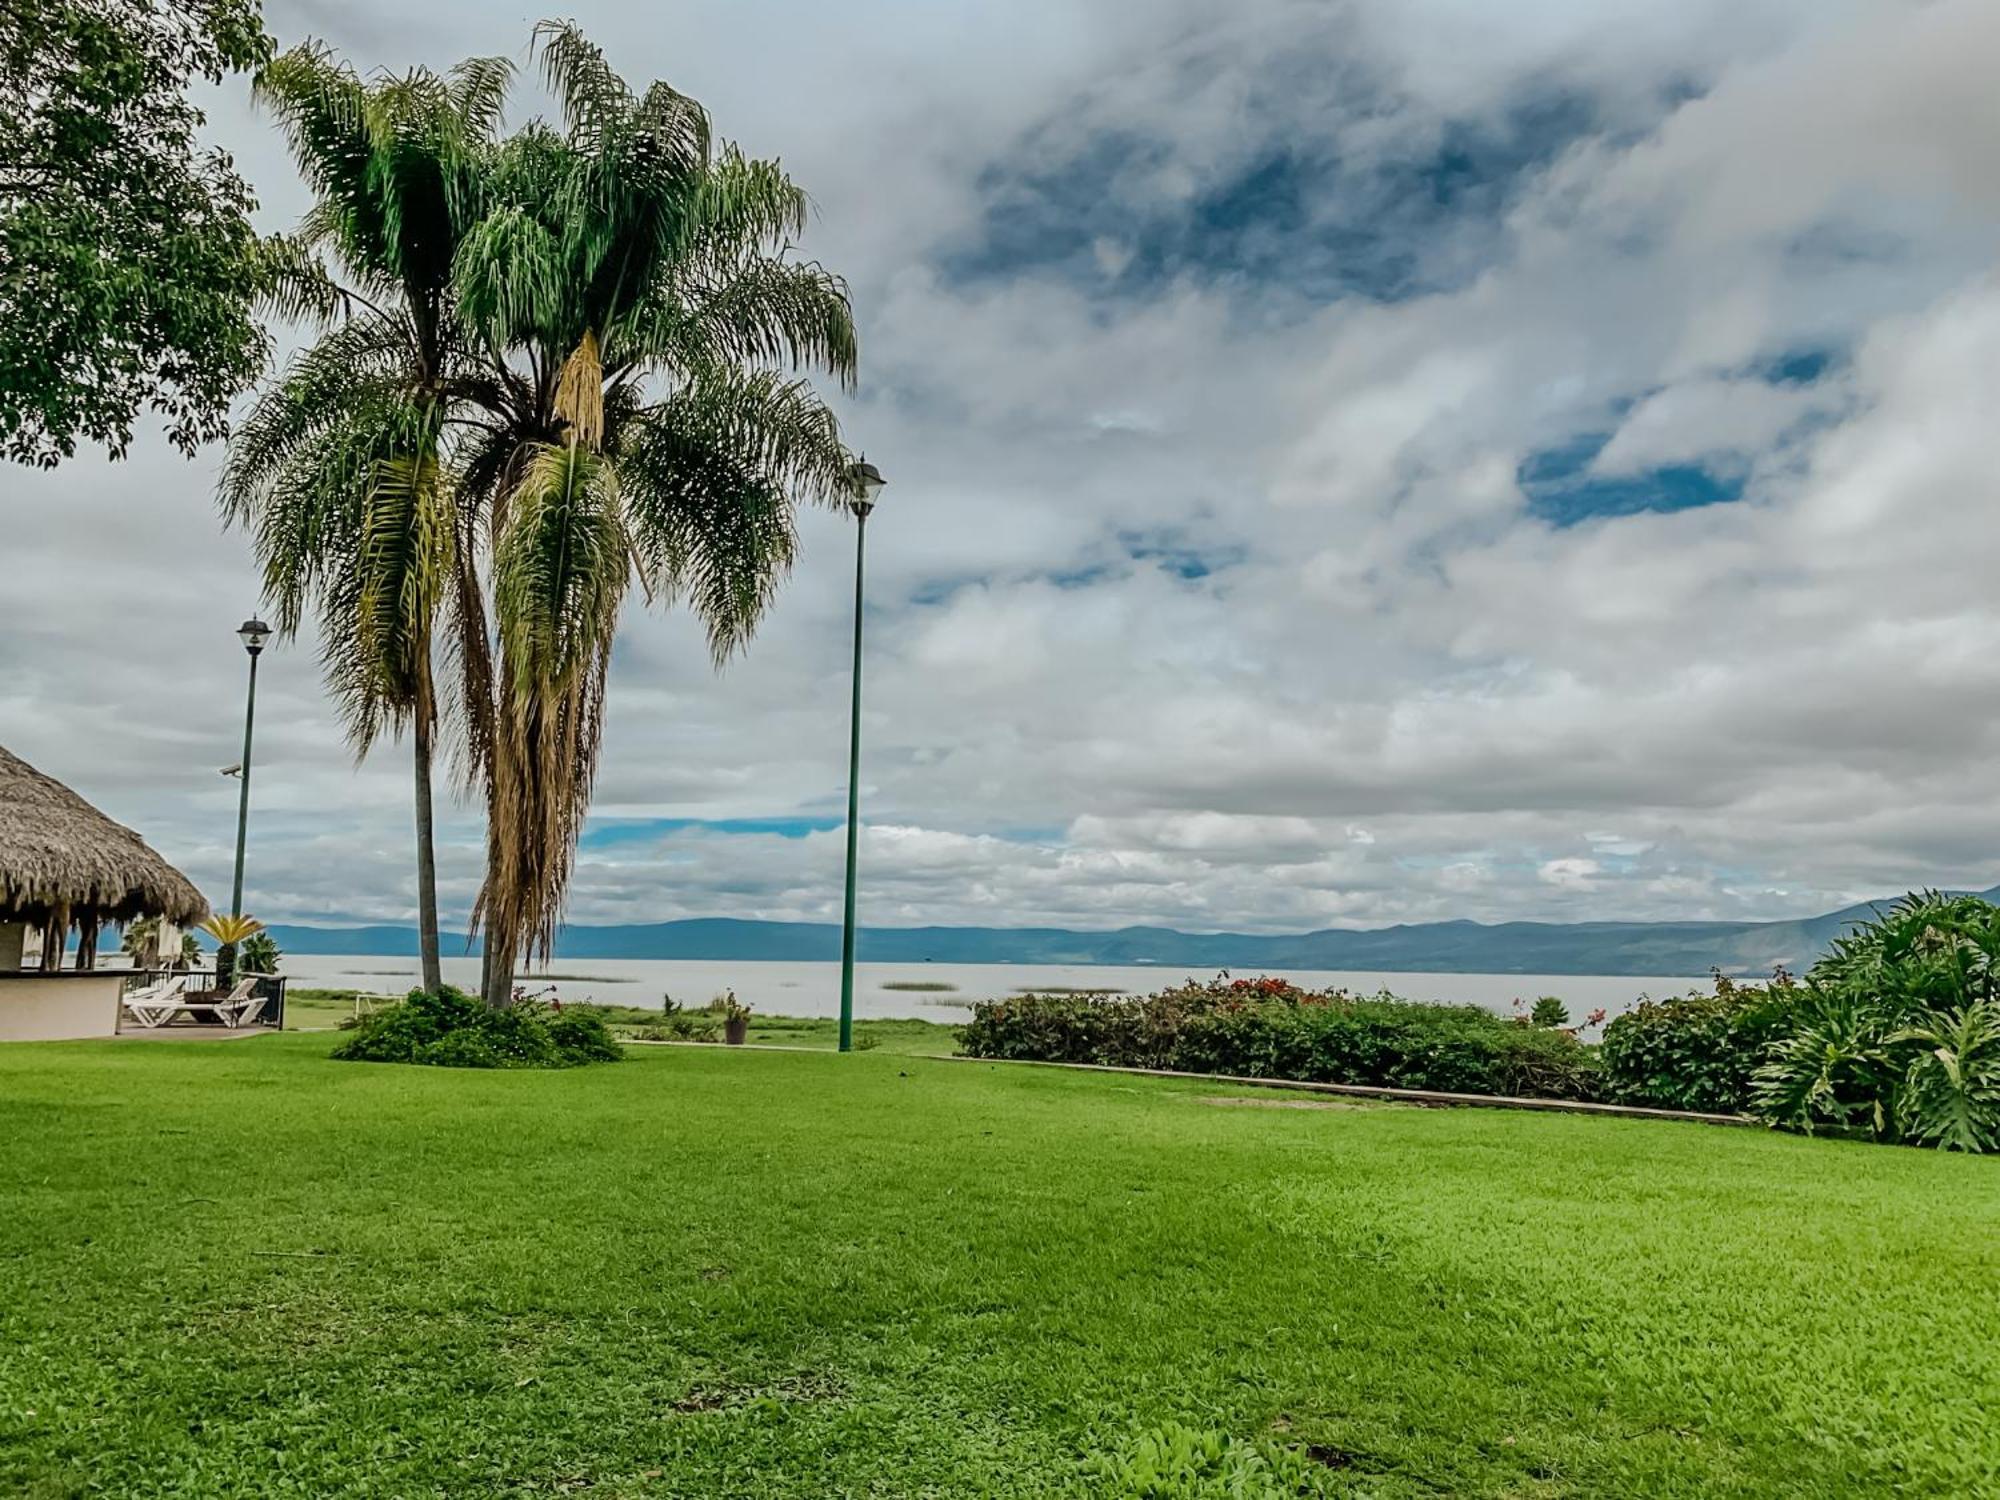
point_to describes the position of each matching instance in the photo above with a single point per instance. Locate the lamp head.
(254, 633)
(867, 483)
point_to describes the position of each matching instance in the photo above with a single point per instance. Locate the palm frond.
(322, 108)
(711, 478)
(360, 365)
(293, 283)
(745, 201)
(767, 311)
(403, 565)
(479, 92)
(509, 276)
(592, 96)
(559, 576)
(559, 569)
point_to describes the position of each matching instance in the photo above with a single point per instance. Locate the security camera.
(235, 770)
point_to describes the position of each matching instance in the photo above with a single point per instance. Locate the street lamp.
(867, 482)
(254, 633)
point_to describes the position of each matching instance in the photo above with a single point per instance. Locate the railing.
(203, 981)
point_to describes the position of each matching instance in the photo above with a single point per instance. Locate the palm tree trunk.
(427, 893)
(500, 983)
(499, 970)
(496, 971)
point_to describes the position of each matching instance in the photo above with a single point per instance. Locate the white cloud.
(1574, 874)
(1196, 599)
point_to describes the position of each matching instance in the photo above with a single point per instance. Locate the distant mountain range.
(1638, 948)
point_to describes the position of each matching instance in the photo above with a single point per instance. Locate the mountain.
(1639, 948)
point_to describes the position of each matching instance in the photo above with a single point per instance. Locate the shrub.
(460, 1049)
(1698, 1052)
(449, 1029)
(1268, 1028)
(1900, 1034)
(581, 1036)
(1549, 1012)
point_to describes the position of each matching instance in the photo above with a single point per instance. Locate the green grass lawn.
(239, 1268)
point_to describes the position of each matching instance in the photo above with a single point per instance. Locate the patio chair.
(154, 1004)
(243, 1004)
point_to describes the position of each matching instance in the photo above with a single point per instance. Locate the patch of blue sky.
(615, 833)
(1798, 367)
(1296, 215)
(1048, 834)
(1562, 490)
(612, 833)
(1174, 552)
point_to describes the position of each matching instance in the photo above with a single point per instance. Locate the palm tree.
(635, 288)
(338, 471)
(556, 364)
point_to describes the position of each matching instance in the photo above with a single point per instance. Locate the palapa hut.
(65, 867)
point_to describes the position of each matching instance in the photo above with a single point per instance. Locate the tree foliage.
(551, 364)
(127, 261)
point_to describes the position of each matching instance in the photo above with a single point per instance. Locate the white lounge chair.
(243, 1004)
(154, 1004)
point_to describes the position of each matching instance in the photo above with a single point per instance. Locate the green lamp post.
(868, 482)
(254, 633)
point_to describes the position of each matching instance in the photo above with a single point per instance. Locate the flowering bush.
(1271, 1028)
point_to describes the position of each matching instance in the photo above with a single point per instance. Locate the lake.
(884, 990)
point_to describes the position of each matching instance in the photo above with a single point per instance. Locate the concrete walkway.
(192, 1033)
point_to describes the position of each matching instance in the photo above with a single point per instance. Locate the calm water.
(813, 989)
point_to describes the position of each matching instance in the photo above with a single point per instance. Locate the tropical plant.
(259, 953)
(1900, 1033)
(1832, 1067)
(339, 471)
(228, 931)
(129, 261)
(140, 942)
(231, 930)
(1550, 1013)
(1951, 1095)
(583, 380)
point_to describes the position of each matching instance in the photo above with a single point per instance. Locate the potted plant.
(735, 1018)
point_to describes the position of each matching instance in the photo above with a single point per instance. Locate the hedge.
(1268, 1028)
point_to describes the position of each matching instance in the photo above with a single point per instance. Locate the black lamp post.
(868, 482)
(254, 633)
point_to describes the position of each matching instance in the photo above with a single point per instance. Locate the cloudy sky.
(1351, 461)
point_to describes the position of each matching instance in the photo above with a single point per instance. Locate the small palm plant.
(228, 931)
(141, 942)
(259, 953)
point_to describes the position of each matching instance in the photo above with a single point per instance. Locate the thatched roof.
(56, 850)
